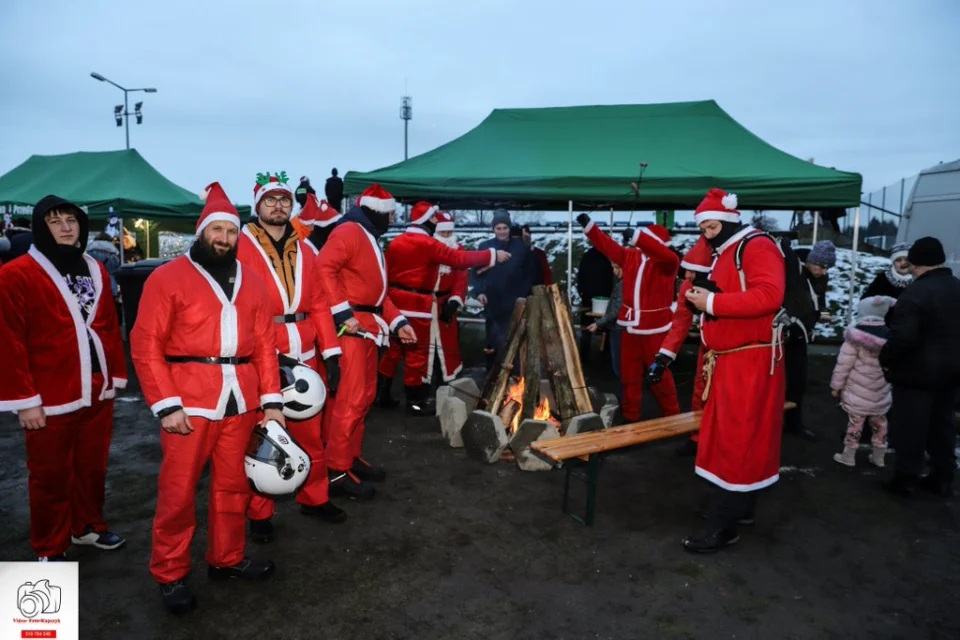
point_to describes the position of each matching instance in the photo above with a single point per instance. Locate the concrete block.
(582, 424)
(467, 390)
(609, 415)
(484, 437)
(453, 414)
(527, 433)
(596, 399)
(610, 399)
(443, 392)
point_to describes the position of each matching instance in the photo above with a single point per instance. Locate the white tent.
(933, 209)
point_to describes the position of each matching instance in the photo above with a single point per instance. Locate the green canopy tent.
(561, 157)
(99, 181)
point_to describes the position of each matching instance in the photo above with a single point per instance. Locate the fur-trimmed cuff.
(340, 317)
(710, 304)
(589, 227)
(456, 299)
(398, 322)
(120, 383)
(166, 403)
(329, 353)
(271, 398)
(19, 405)
(493, 257)
(669, 354)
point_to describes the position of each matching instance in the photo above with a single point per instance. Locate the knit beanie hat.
(501, 216)
(824, 254)
(926, 252)
(874, 307)
(899, 251)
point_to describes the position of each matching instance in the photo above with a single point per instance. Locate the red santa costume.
(301, 317)
(697, 261)
(353, 275)
(204, 342)
(63, 353)
(414, 259)
(739, 449)
(649, 274)
(451, 291)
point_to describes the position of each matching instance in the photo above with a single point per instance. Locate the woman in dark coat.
(894, 280)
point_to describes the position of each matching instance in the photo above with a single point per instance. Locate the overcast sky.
(863, 85)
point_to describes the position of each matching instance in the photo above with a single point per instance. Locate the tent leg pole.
(570, 254)
(816, 226)
(853, 263)
(611, 219)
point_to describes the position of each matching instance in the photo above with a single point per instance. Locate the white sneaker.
(101, 540)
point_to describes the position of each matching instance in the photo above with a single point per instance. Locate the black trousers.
(795, 363)
(727, 507)
(924, 422)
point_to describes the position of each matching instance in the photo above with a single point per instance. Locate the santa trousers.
(636, 355)
(67, 466)
(315, 491)
(391, 358)
(358, 390)
(415, 356)
(224, 443)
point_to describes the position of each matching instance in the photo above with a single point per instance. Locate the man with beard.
(649, 282)
(205, 351)
(414, 259)
(451, 291)
(353, 274)
(270, 248)
(63, 362)
(740, 432)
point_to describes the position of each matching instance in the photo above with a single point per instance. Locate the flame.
(515, 393)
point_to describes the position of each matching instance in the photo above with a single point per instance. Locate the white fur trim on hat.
(327, 223)
(899, 254)
(444, 226)
(380, 205)
(218, 216)
(645, 231)
(426, 215)
(723, 216)
(689, 266)
(267, 188)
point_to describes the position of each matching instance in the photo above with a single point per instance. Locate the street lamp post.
(406, 114)
(126, 105)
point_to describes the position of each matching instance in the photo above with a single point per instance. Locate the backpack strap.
(738, 254)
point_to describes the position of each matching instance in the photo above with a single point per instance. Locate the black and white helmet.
(304, 393)
(275, 464)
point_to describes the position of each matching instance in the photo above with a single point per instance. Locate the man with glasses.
(270, 247)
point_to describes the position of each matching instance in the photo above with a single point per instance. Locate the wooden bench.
(587, 449)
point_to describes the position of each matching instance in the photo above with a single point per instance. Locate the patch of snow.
(809, 471)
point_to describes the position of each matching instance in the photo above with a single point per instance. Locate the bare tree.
(764, 222)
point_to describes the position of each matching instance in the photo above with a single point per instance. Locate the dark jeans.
(795, 362)
(727, 507)
(924, 422)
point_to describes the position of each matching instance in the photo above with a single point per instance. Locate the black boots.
(261, 531)
(710, 540)
(348, 485)
(177, 597)
(420, 401)
(937, 485)
(368, 472)
(901, 485)
(246, 569)
(384, 399)
(327, 512)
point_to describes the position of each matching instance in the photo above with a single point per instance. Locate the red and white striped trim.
(729, 486)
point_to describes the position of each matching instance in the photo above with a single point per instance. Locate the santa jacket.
(352, 273)
(681, 324)
(185, 312)
(747, 312)
(46, 342)
(413, 264)
(649, 274)
(445, 336)
(295, 337)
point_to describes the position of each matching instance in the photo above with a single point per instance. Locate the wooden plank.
(684, 422)
(493, 396)
(571, 354)
(557, 369)
(531, 390)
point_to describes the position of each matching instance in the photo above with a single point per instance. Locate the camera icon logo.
(34, 598)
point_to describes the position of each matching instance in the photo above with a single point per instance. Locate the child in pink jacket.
(859, 383)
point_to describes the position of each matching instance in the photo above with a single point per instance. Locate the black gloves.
(332, 363)
(450, 308)
(516, 231)
(660, 364)
(583, 219)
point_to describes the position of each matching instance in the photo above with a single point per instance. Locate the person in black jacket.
(894, 280)
(594, 279)
(922, 361)
(334, 190)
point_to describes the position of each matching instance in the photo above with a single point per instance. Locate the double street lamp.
(122, 113)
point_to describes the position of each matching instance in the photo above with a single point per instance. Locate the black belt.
(290, 317)
(203, 360)
(367, 308)
(422, 292)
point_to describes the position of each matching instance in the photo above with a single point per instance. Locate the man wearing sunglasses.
(270, 247)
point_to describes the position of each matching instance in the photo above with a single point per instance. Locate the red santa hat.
(217, 207)
(444, 221)
(422, 211)
(270, 184)
(717, 205)
(378, 199)
(318, 213)
(660, 233)
(699, 258)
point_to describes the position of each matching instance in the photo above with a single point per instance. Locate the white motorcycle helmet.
(275, 464)
(304, 393)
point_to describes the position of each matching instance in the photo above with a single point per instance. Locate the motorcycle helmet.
(304, 393)
(275, 464)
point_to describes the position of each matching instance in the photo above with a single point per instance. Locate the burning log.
(495, 387)
(581, 396)
(509, 412)
(557, 367)
(531, 392)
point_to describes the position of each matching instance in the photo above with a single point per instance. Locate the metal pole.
(853, 264)
(570, 255)
(611, 219)
(883, 206)
(126, 117)
(903, 182)
(816, 225)
(405, 123)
